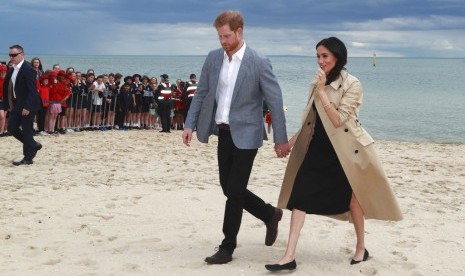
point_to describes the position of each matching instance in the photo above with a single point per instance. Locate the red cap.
(61, 73)
(3, 67)
(43, 77)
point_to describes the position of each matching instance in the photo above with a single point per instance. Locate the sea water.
(405, 99)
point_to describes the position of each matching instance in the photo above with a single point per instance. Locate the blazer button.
(356, 151)
(346, 130)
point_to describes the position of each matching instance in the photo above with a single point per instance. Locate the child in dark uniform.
(148, 101)
(125, 101)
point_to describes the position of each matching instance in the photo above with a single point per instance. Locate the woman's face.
(36, 63)
(326, 60)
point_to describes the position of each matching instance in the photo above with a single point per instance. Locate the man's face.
(16, 56)
(230, 40)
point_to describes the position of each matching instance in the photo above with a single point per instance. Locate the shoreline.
(141, 203)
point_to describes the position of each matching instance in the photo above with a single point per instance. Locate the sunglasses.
(15, 55)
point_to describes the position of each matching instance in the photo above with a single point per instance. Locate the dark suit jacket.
(27, 96)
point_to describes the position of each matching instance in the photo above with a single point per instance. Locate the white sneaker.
(43, 133)
(69, 130)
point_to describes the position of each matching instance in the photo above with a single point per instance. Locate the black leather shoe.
(22, 162)
(220, 257)
(277, 267)
(272, 227)
(365, 257)
(37, 147)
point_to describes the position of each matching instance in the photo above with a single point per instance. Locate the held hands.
(25, 112)
(282, 150)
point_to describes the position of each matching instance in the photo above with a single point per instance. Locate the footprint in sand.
(130, 268)
(52, 262)
(110, 206)
(112, 238)
(164, 248)
(368, 270)
(400, 256)
(323, 233)
(409, 266)
(31, 251)
(87, 263)
(407, 243)
(345, 251)
(94, 232)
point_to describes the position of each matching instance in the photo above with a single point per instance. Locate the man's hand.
(25, 112)
(187, 136)
(282, 150)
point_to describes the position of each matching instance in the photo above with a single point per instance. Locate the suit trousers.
(165, 114)
(26, 134)
(235, 166)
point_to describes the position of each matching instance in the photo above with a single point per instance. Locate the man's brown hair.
(232, 18)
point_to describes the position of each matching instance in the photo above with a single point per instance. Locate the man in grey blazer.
(234, 82)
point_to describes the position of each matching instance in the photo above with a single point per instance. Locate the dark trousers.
(235, 166)
(26, 134)
(119, 117)
(165, 114)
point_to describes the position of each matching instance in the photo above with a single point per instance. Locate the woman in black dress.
(334, 152)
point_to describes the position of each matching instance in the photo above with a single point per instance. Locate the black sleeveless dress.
(321, 186)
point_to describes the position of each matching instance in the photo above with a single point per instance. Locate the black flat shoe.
(277, 267)
(365, 257)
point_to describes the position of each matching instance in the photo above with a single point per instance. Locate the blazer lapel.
(244, 69)
(217, 64)
(20, 71)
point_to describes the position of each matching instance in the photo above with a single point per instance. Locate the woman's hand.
(321, 80)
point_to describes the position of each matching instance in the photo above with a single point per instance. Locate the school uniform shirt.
(97, 96)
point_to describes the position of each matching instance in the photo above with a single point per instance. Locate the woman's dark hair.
(339, 50)
(41, 69)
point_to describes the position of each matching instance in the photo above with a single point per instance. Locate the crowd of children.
(76, 101)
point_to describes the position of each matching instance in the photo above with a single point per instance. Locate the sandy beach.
(141, 203)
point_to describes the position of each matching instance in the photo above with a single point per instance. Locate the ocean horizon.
(405, 98)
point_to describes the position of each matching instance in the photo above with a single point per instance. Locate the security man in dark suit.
(22, 99)
(164, 102)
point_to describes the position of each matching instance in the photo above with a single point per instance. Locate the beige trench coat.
(354, 148)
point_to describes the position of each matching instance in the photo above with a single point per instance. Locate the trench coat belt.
(224, 127)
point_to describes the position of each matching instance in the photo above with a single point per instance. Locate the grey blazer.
(255, 82)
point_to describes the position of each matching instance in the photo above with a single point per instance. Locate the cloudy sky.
(391, 28)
